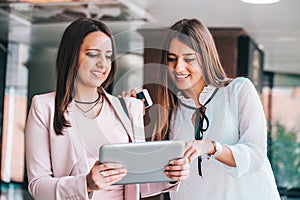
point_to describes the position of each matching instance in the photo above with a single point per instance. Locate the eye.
(171, 59)
(188, 60)
(92, 54)
(108, 56)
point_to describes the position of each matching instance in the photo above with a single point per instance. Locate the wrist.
(217, 149)
(206, 147)
(212, 148)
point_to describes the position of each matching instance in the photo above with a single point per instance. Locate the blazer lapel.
(115, 102)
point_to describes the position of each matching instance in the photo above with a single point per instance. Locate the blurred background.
(258, 41)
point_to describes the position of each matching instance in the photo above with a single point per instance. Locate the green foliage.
(286, 157)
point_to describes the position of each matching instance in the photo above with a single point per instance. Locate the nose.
(99, 63)
(102, 62)
(180, 64)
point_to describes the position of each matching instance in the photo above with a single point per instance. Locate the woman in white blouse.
(221, 119)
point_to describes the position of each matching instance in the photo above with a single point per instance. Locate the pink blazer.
(57, 164)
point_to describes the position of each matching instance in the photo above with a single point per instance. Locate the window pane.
(285, 134)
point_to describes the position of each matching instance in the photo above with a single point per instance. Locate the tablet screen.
(145, 161)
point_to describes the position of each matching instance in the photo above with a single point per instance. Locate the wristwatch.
(218, 149)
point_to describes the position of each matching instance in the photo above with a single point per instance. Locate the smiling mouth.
(181, 76)
(98, 74)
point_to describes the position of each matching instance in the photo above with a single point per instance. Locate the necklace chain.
(89, 102)
(91, 108)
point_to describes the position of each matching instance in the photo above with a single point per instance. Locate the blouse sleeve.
(250, 152)
(42, 184)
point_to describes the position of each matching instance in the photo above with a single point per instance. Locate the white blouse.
(236, 119)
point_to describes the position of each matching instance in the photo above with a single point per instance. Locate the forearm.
(59, 188)
(225, 156)
(237, 159)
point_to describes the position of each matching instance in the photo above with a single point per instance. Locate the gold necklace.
(91, 108)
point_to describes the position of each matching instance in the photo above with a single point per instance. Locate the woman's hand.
(200, 147)
(129, 93)
(132, 93)
(178, 169)
(197, 148)
(103, 175)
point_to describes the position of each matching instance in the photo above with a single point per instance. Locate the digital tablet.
(145, 161)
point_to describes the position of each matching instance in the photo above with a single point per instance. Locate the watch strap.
(218, 148)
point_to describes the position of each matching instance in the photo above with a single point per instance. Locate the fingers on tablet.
(106, 166)
(112, 175)
(113, 172)
(178, 175)
(178, 169)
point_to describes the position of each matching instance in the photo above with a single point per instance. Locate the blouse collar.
(203, 97)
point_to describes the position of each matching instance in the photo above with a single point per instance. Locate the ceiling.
(274, 27)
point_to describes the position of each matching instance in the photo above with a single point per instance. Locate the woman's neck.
(194, 92)
(86, 95)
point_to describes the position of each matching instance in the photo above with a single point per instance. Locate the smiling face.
(94, 60)
(184, 68)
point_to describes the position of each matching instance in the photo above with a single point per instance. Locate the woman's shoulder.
(131, 102)
(45, 98)
(46, 95)
(238, 83)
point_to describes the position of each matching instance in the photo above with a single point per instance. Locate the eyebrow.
(97, 50)
(185, 54)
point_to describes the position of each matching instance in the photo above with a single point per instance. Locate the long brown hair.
(67, 65)
(197, 36)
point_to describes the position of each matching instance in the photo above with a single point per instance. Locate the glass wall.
(14, 114)
(282, 106)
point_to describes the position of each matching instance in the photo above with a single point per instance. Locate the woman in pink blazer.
(65, 128)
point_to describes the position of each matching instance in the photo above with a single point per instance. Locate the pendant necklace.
(91, 108)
